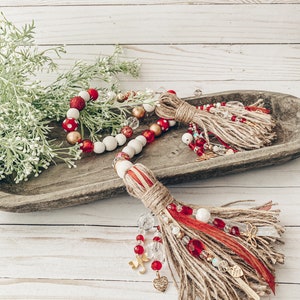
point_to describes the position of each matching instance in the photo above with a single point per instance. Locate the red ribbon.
(228, 241)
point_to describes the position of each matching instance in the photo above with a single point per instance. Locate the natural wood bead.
(73, 137)
(156, 129)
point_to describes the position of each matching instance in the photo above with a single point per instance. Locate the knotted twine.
(255, 132)
(195, 277)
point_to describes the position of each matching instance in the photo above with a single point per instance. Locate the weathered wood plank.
(22, 3)
(162, 24)
(98, 253)
(54, 289)
(183, 63)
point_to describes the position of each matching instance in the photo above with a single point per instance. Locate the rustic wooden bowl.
(171, 161)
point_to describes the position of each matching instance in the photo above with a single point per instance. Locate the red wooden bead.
(235, 231)
(70, 124)
(87, 146)
(219, 223)
(140, 237)
(171, 92)
(186, 210)
(138, 249)
(164, 124)
(149, 135)
(195, 247)
(77, 102)
(93, 94)
(156, 265)
(127, 131)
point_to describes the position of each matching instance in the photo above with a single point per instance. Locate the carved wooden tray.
(172, 162)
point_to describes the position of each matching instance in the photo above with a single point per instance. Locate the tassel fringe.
(228, 266)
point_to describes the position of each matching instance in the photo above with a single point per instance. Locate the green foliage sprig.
(27, 106)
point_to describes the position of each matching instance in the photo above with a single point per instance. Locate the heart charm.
(160, 283)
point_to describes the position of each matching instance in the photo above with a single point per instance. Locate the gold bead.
(73, 137)
(138, 112)
(156, 129)
(121, 97)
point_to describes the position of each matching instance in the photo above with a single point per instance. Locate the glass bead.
(133, 122)
(235, 231)
(158, 256)
(156, 265)
(140, 237)
(175, 230)
(186, 239)
(139, 249)
(195, 247)
(146, 221)
(219, 223)
(186, 210)
(215, 262)
(197, 93)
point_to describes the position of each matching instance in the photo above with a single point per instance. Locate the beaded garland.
(110, 143)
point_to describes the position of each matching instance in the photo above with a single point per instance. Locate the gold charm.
(160, 282)
(207, 155)
(235, 271)
(139, 263)
(251, 234)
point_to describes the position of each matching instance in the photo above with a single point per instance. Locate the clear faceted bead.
(146, 221)
(133, 122)
(197, 92)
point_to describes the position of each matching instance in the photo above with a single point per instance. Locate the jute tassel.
(255, 131)
(210, 260)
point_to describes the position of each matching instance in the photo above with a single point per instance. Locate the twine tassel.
(254, 132)
(206, 261)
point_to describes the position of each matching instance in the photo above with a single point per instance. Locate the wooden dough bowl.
(171, 160)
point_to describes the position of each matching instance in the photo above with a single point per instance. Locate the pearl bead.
(73, 113)
(156, 129)
(203, 215)
(136, 145)
(121, 139)
(99, 147)
(122, 166)
(172, 123)
(85, 95)
(129, 150)
(142, 139)
(187, 138)
(110, 143)
(148, 107)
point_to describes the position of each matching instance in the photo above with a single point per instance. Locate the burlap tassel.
(229, 267)
(254, 132)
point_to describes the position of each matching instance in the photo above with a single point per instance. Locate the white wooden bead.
(122, 167)
(110, 143)
(73, 113)
(203, 215)
(148, 107)
(172, 123)
(121, 139)
(99, 147)
(136, 145)
(85, 95)
(142, 139)
(187, 138)
(129, 150)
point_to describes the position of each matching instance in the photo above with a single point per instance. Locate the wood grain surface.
(82, 252)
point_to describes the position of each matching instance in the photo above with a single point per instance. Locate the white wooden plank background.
(82, 252)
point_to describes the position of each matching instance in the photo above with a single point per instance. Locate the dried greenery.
(27, 106)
